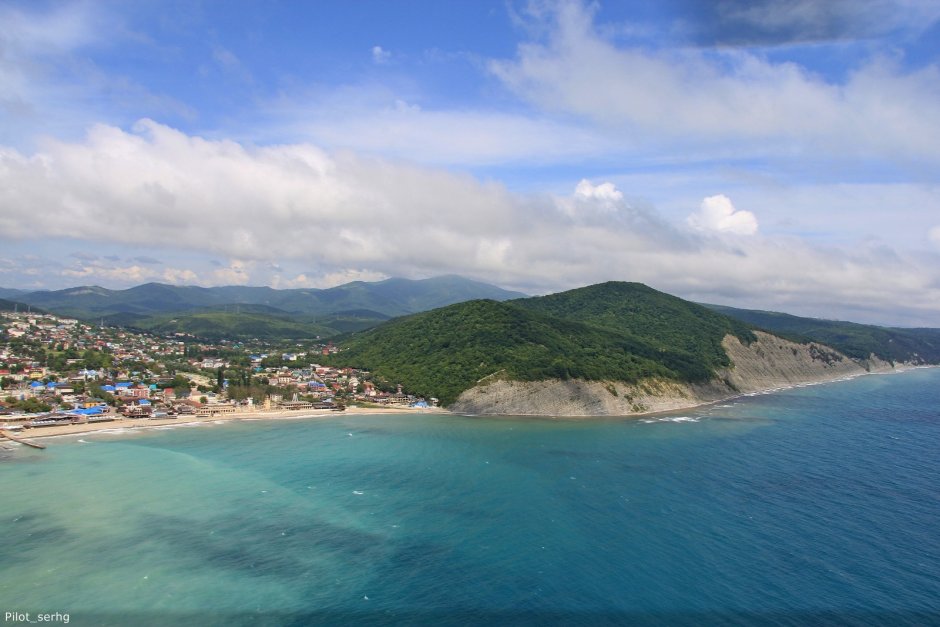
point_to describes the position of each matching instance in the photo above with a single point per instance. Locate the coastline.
(124, 425)
(677, 399)
(766, 364)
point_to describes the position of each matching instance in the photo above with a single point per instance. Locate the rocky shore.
(766, 364)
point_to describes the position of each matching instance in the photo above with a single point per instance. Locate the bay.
(811, 505)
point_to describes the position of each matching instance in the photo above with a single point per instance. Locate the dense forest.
(613, 331)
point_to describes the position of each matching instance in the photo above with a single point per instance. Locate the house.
(141, 409)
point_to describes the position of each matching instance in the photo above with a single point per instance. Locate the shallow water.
(813, 505)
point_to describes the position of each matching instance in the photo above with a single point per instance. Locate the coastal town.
(58, 371)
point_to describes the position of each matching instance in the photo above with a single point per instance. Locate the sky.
(771, 154)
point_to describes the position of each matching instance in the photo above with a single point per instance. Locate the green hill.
(855, 340)
(12, 305)
(248, 321)
(664, 320)
(612, 331)
(233, 325)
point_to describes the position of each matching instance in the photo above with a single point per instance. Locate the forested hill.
(12, 305)
(637, 309)
(855, 340)
(611, 332)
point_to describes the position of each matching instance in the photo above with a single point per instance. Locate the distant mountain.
(392, 297)
(10, 294)
(853, 339)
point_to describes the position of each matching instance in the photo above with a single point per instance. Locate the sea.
(816, 505)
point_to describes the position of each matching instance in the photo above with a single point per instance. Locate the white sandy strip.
(124, 425)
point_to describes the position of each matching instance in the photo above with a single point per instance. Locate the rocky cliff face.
(770, 362)
(773, 362)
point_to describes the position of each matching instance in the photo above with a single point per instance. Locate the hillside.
(12, 305)
(249, 321)
(607, 349)
(607, 332)
(662, 319)
(392, 297)
(446, 351)
(855, 340)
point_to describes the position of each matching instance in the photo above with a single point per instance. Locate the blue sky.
(780, 155)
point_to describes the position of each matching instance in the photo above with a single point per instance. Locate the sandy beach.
(133, 424)
(123, 423)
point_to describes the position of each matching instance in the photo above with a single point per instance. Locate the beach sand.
(148, 423)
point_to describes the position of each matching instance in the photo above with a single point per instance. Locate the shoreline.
(700, 403)
(123, 426)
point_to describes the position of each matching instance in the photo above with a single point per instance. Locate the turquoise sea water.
(817, 505)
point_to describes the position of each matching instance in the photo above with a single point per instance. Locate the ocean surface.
(811, 506)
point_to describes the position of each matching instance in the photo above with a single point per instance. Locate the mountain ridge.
(856, 340)
(615, 339)
(389, 297)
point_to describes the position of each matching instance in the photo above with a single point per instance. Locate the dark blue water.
(818, 505)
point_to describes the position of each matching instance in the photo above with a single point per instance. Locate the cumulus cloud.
(236, 273)
(128, 274)
(179, 276)
(108, 270)
(718, 214)
(347, 217)
(605, 192)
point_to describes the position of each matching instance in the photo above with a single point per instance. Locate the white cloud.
(605, 192)
(67, 27)
(711, 98)
(376, 120)
(340, 217)
(179, 276)
(236, 273)
(332, 279)
(379, 55)
(49, 83)
(718, 214)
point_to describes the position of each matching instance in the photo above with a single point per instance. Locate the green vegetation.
(613, 331)
(12, 305)
(391, 297)
(661, 319)
(30, 405)
(250, 321)
(855, 340)
(216, 325)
